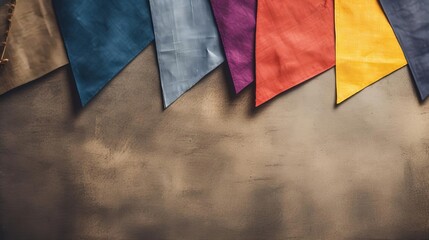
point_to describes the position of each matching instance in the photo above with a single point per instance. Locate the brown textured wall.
(210, 167)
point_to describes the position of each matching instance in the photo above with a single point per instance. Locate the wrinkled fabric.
(187, 44)
(294, 42)
(101, 38)
(410, 22)
(366, 47)
(236, 21)
(34, 46)
(5, 36)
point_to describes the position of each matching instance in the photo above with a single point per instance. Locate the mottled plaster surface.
(210, 166)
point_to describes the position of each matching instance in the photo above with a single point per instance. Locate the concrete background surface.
(211, 166)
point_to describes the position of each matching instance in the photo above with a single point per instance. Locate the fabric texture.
(34, 46)
(236, 21)
(294, 42)
(410, 22)
(4, 39)
(187, 44)
(366, 47)
(101, 38)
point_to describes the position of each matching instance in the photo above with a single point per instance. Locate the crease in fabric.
(236, 21)
(187, 44)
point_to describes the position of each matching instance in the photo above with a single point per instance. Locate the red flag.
(294, 42)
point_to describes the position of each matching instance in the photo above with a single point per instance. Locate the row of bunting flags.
(277, 44)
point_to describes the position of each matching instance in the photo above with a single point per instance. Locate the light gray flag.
(187, 44)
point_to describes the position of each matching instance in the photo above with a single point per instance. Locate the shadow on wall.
(124, 169)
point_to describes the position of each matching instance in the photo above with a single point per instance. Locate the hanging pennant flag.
(101, 38)
(366, 47)
(187, 44)
(294, 42)
(236, 21)
(410, 21)
(33, 47)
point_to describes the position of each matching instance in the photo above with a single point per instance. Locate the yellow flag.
(366, 47)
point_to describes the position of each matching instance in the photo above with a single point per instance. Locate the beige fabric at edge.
(34, 48)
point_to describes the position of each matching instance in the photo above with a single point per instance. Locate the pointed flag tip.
(237, 23)
(93, 67)
(181, 68)
(341, 98)
(278, 38)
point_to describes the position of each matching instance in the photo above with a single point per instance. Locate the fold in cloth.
(294, 42)
(101, 38)
(187, 44)
(366, 47)
(410, 21)
(34, 46)
(236, 21)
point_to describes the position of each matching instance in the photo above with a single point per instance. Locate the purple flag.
(236, 23)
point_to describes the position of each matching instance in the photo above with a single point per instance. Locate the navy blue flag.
(101, 37)
(410, 21)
